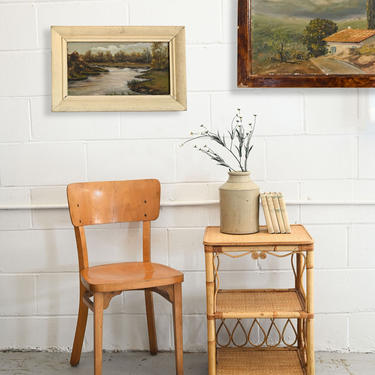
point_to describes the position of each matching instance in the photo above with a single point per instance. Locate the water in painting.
(110, 68)
(299, 37)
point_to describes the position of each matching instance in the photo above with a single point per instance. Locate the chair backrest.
(113, 202)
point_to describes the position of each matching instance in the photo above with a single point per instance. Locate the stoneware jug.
(239, 204)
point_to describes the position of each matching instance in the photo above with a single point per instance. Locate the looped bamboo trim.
(230, 255)
(222, 324)
(239, 324)
(255, 321)
(259, 253)
(268, 334)
(289, 322)
(265, 341)
(278, 255)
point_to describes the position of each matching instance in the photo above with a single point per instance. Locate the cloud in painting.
(334, 9)
(112, 48)
(95, 47)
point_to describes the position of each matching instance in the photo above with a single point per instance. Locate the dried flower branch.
(239, 147)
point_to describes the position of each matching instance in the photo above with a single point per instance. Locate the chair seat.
(128, 276)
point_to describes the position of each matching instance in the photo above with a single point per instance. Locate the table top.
(299, 236)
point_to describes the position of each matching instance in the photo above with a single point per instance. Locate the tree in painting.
(159, 56)
(371, 14)
(280, 44)
(159, 59)
(314, 35)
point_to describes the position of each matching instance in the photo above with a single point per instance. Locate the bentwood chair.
(113, 202)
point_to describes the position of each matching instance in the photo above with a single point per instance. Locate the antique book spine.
(284, 213)
(278, 212)
(272, 213)
(267, 215)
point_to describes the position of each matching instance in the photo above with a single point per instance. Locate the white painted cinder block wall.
(312, 144)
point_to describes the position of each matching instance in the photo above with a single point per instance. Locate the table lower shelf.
(253, 303)
(239, 361)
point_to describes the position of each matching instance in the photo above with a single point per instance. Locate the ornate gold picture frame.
(118, 68)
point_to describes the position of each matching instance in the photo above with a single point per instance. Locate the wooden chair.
(112, 202)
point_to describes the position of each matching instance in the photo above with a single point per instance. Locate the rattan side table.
(290, 308)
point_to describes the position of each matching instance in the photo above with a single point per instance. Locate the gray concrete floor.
(141, 363)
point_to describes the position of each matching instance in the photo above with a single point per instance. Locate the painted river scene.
(307, 37)
(118, 68)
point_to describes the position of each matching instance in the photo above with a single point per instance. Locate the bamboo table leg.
(211, 334)
(310, 310)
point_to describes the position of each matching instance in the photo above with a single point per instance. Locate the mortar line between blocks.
(203, 314)
(36, 24)
(187, 271)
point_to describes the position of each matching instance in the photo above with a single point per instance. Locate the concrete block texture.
(315, 146)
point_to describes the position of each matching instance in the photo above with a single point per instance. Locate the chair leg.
(80, 330)
(98, 333)
(177, 326)
(151, 322)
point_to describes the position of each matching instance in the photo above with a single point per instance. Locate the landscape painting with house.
(308, 37)
(109, 68)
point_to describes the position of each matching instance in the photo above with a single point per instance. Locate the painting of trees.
(160, 56)
(315, 32)
(110, 68)
(279, 44)
(371, 14)
(79, 69)
(144, 57)
(310, 37)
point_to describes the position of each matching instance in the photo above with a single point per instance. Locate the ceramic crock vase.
(239, 205)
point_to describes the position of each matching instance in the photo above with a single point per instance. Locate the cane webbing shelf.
(283, 303)
(258, 362)
(260, 331)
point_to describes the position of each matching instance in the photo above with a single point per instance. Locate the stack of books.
(275, 213)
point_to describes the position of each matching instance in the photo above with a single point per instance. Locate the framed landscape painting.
(125, 68)
(306, 43)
